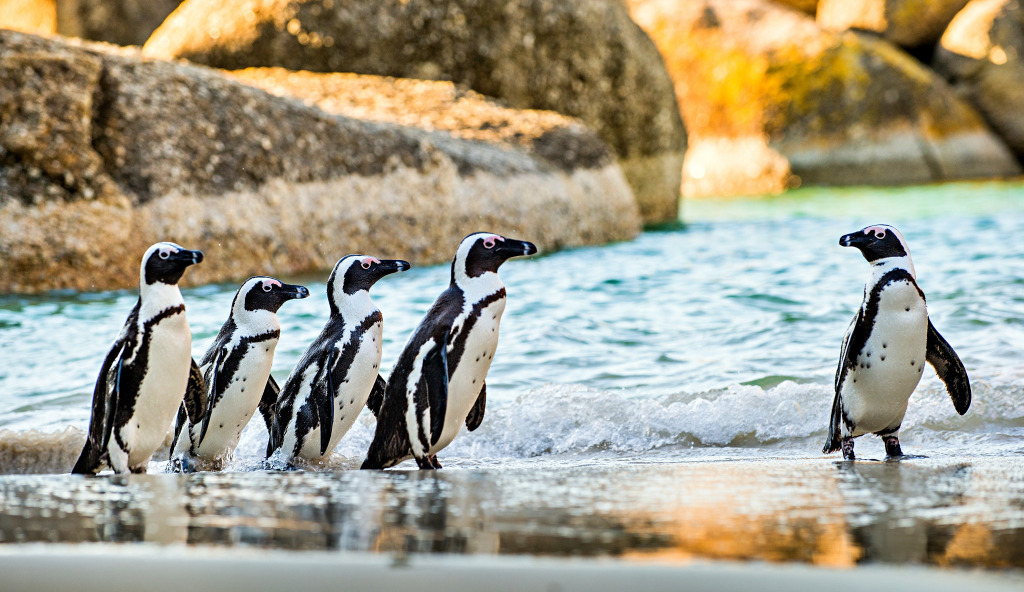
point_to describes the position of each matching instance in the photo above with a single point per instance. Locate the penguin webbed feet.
(892, 448)
(847, 447)
(428, 463)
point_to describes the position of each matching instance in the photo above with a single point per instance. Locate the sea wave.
(559, 419)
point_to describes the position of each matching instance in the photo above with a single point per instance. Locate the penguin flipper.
(949, 369)
(104, 407)
(325, 403)
(269, 401)
(835, 436)
(213, 394)
(435, 379)
(376, 398)
(195, 395)
(179, 422)
(476, 414)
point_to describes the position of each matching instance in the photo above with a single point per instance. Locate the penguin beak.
(515, 248)
(389, 266)
(854, 239)
(188, 257)
(292, 292)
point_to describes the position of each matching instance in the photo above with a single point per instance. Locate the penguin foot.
(892, 447)
(847, 445)
(425, 463)
(433, 461)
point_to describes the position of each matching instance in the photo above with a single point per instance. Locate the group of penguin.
(149, 379)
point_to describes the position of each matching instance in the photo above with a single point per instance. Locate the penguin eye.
(489, 243)
(267, 287)
(164, 254)
(879, 234)
(365, 264)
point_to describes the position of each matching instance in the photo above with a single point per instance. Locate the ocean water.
(719, 338)
(691, 359)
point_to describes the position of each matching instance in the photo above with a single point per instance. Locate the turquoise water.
(718, 339)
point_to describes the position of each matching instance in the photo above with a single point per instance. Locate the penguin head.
(483, 252)
(877, 242)
(166, 262)
(265, 293)
(356, 273)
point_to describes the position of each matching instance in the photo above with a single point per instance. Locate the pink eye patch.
(490, 241)
(367, 262)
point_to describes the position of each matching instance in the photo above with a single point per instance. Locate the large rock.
(982, 54)
(124, 22)
(771, 101)
(103, 153)
(584, 59)
(807, 6)
(433, 105)
(30, 16)
(909, 23)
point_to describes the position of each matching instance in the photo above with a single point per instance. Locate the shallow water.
(705, 346)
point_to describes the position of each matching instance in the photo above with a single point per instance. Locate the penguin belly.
(160, 393)
(876, 391)
(237, 404)
(465, 384)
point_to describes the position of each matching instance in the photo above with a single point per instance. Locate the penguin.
(235, 377)
(886, 347)
(438, 381)
(145, 373)
(339, 373)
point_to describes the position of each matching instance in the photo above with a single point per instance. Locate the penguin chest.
(889, 366)
(353, 389)
(465, 383)
(161, 389)
(238, 400)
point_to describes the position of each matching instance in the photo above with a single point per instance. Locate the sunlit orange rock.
(770, 101)
(982, 54)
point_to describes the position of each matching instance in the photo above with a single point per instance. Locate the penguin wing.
(834, 441)
(269, 400)
(104, 407)
(433, 389)
(844, 354)
(195, 395)
(323, 401)
(213, 391)
(376, 398)
(950, 369)
(476, 414)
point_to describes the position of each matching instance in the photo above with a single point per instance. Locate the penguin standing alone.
(235, 375)
(143, 378)
(438, 381)
(339, 373)
(885, 349)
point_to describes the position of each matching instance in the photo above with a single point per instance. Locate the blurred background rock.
(620, 106)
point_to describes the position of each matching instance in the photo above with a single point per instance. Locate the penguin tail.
(371, 465)
(89, 462)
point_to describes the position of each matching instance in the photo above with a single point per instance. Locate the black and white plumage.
(438, 381)
(143, 378)
(885, 349)
(339, 373)
(235, 377)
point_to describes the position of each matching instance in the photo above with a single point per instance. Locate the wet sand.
(946, 512)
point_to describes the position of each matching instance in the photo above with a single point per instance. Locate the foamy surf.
(560, 420)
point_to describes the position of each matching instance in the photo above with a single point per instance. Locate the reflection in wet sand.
(964, 513)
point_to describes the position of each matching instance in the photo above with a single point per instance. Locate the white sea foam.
(573, 419)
